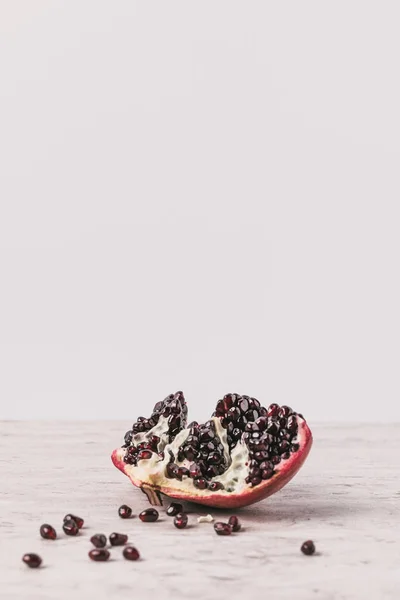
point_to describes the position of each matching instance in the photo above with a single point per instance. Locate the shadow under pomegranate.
(243, 454)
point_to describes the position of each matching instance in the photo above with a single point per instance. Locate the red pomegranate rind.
(248, 495)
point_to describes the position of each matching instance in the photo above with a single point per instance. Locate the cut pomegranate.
(243, 454)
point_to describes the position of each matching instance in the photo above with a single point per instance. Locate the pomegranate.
(243, 454)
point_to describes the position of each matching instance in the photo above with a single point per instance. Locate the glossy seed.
(125, 512)
(174, 508)
(150, 515)
(308, 547)
(234, 523)
(222, 528)
(48, 532)
(32, 560)
(99, 540)
(70, 527)
(181, 520)
(131, 553)
(99, 554)
(78, 520)
(118, 539)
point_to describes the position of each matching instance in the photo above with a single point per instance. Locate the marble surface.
(346, 498)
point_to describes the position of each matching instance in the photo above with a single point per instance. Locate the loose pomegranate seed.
(234, 523)
(222, 528)
(308, 547)
(125, 512)
(77, 520)
(99, 540)
(149, 515)
(70, 527)
(99, 554)
(118, 539)
(130, 553)
(48, 532)
(174, 508)
(32, 560)
(181, 520)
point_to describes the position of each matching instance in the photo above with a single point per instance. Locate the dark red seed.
(99, 554)
(222, 528)
(32, 560)
(144, 455)
(294, 447)
(77, 520)
(125, 512)
(285, 455)
(118, 539)
(99, 540)
(255, 481)
(308, 547)
(150, 515)
(181, 520)
(276, 460)
(234, 523)
(70, 527)
(48, 532)
(273, 410)
(214, 486)
(130, 553)
(267, 473)
(174, 508)
(194, 470)
(285, 411)
(200, 483)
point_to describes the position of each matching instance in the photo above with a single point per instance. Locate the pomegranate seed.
(118, 539)
(77, 520)
(125, 512)
(214, 486)
(99, 554)
(174, 508)
(70, 527)
(308, 547)
(222, 528)
(130, 553)
(48, 532)
(145, 455)
(234, 523)
(150, 515)
(181, 520)
(32, 560)
(99, 540)
(200, 483)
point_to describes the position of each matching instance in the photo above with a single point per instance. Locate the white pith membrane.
(152, 471)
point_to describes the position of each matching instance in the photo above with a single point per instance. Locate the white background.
(200, 196)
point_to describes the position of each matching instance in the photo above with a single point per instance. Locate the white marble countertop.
(346, 498)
